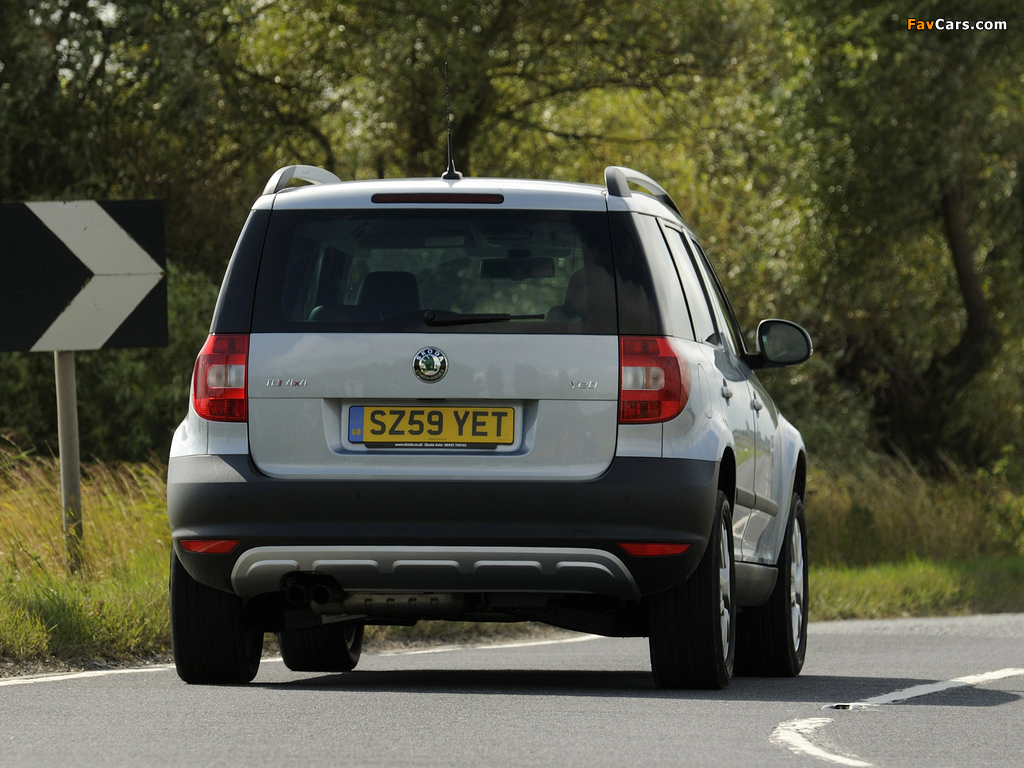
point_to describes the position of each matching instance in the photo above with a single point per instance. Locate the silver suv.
(484, 400)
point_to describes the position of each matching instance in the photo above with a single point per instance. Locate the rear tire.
(330, 648)
(772, 640)
(692, 626)
(212, 645)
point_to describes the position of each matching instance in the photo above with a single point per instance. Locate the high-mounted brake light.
(654, 380)
(445, 198)
(219, 381)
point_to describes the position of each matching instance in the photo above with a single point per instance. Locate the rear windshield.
(462, 271)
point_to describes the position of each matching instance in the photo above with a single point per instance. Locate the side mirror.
(781, 343)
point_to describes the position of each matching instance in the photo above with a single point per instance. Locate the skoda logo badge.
(430, 364)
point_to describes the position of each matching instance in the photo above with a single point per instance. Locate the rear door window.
(508, 271)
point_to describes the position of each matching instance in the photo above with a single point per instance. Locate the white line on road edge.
(489, 646)
(794, 733)
(476, 647)
(81, 675)
(29, 680)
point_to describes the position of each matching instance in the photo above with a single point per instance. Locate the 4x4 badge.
(430, 364)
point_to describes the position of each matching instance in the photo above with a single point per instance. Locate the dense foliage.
(856, 176)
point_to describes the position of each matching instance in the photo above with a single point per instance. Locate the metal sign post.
(70, 464)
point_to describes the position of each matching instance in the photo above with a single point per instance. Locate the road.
(588, 702)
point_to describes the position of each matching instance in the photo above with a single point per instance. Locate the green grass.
(74, 619)
(116, 607)
(884, 542)
(877, 509)
(917, 588)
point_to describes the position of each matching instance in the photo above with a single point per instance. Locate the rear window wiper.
(443, 317)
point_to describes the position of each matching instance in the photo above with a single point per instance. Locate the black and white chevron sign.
(82, 275)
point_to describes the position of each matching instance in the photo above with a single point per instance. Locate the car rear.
(425, 399)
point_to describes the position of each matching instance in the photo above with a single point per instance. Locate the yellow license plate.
(430, 427)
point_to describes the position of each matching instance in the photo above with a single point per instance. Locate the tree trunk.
(916, 406)
(956, 368)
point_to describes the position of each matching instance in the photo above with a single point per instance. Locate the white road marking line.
(794, 733)
(928, 688)
(489, 646)
(82, 675)
(29, 680)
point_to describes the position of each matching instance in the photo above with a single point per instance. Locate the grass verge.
(115, 610)
(917, 588)
(74, 621)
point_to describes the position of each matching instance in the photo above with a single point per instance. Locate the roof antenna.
(451, 174)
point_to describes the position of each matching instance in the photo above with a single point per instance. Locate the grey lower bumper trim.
(439, 569)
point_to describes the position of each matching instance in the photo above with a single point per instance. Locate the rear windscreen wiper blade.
(441, 317)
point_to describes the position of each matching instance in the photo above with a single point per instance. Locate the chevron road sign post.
(76, 276)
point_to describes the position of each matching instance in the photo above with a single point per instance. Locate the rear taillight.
(209, 546)
(218, 384)
(654, 380)
(642, 549)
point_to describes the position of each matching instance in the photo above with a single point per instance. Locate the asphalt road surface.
(935, 692)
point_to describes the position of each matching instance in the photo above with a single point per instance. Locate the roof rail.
(309, 173)
(617, 179)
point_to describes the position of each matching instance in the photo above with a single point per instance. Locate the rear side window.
(460, 271)
(727, 321)
(651, 301)
(704, 326)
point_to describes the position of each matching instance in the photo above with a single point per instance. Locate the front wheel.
(211, 643)
(692, 626)
(772, 639)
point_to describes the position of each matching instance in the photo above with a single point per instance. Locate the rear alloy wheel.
(211, 643)
(772, 639)
(692, 626)
(330, 648)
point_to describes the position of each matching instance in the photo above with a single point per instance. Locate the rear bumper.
(392, 570)
(444, 536)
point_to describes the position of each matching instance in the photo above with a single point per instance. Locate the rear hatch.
(432, 341)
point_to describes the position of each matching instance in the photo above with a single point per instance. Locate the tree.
(921, 144)
(148, 98)
(513, 65)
